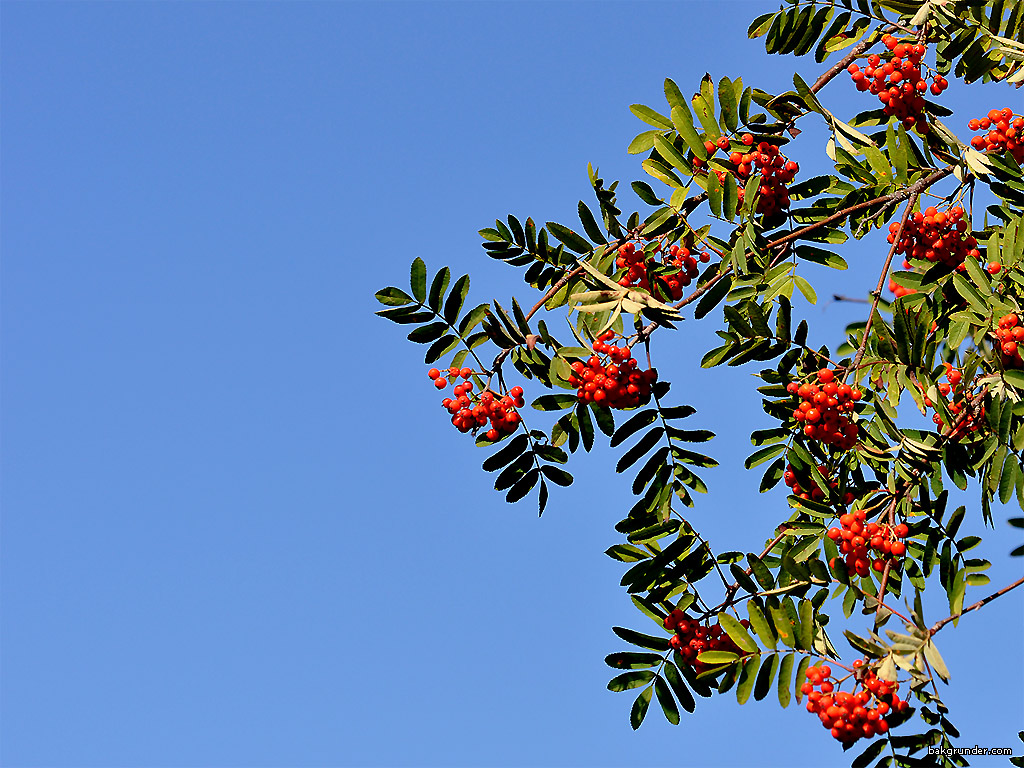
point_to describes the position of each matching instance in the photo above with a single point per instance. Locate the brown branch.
(890, 519)
(914, 189)
(841, 65)
(730, 591)
(940, 624)
(553, 290)
(877, 293)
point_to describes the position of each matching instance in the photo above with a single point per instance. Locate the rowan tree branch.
(940, 624)
(877, 293)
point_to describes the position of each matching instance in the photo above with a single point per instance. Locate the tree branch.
(877, 293)
(940, 624)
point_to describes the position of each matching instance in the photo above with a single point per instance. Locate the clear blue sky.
(237, 528)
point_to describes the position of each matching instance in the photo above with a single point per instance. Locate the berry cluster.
(469, 414)
(967, 418)
(848, 714)
(898, 82)
(814, 493)
(867, 545)
(775, 168)
(615, 382)
(1010, 335)
(635, 261)
(823, 410)
(1004, 133)
(937, 236)
(692, 638)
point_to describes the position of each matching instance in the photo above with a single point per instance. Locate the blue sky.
(237, 527)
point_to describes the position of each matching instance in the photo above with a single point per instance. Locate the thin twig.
(890, 519)
(940, 624)
(913, 189)
(877, 293)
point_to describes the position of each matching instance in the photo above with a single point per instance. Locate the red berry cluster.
(635, 261)
(1005, 134)
(615, 382)
(1010, 335)
(692, 638)
(814, 493)
(857, 540)
(937, 236)
(823, 409)
(469, 414)
(848, 714)
(968, 419)
(775, 168)
(898, 82)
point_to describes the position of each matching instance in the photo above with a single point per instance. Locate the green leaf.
(632, 660)
(668, 704)
(441, 347)
(626, 553)
(406, 315)
(639, 711)
(761, 572)
(633, 425)
(730, 199)
(437, 288)
(805, 632)
(772, 475)
(805, 289)
(640, 639)
(523, 486)
(418, 279)
(869, 755)
(682, 120)
(748, 676)
(556, 475)
(715, 194)
(717, 657)
(651, 117)
(590, 225)
(555, 402)
(761, 626)
(714, 295)
(785, 679)
(570, 239)
(457, 297)
(764, 454)
(679, 687)
(760, 25)
(766, 677)
(784, 627)
(515, 448)
(393, 297)
(742, 579)
(642, 142)
(668, 151)
(935, 659)
(1014, 378)
(426, 333)
(645, 444)
(729, 103)
(628, 680)
(737, 633)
